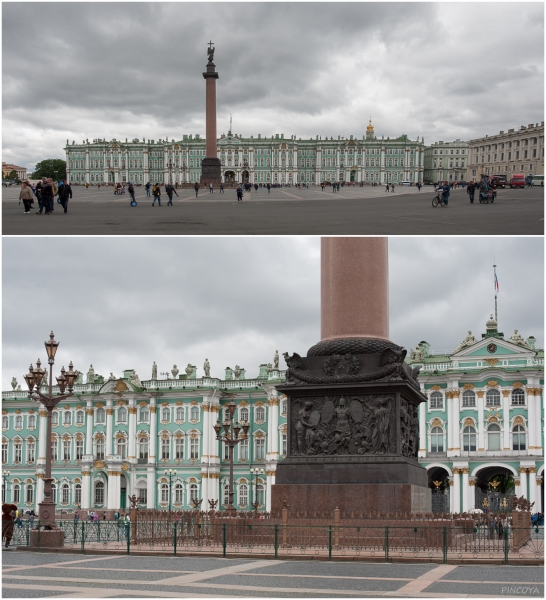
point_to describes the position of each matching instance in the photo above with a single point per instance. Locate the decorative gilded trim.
(153, 410)
(480, 394)
(109, 411)
(89, 411)
(505, 393)
(133, 410)
(435, 388)
(492, 383)
(517, 384)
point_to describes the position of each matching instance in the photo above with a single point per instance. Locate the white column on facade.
(534, 491)
(422, 428)
(109, 416)
(455, 415)
(131, 451)
(150, 481)
(89, 429)
(538, 421)
(42, 440)
(451, 481)
(481, 429)
(471, 493)
(531, 417)
(465, 507)
(450, 422)
(153, 433)
(205, 458)
(270, 483)
(274, 417)
(39, 488)
(87, 165)
(506, 419)
(523, 482)
(86, 490)
(456, 491)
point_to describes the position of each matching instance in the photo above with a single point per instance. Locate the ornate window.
(469, 439)
(194, 448)
(243, 494)
(164, 492)
(179, 493)
(493, 437)
(225, 495)
(100, 448)
(67, 418)
(194, 413)
(165, 415)
(243, 450)
(122, 415)
(100, 416)
(165, 449)
(78, 493)
(469, 399)
(193, 492)
(31, 422)
(226, 451)
(518, 438)
(518, 397)
(260, 414)
(4, 452)
(144, 414)
(260, 494)
(437, 439)
(142, 495)
(65, 494)
(143, 448)
(436, 400)
(54, 449)
(16, 493)
(284, 407)
(284, 444)
(99, 492)
(31, 451)
(79, 417)
(79, 449)
(260, 449)
(17, 451)
(5, 422)
(243, 415)
(30, 493)
(18, 422)
(180, 413)
(122, 447)
(492, 398)
(179, 448)
(66, 449)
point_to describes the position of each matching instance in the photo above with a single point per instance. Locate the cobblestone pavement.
(285, 211)
(35, 575)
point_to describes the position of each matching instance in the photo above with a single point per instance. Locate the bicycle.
(439, 199)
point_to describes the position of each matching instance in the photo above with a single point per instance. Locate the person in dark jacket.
(445, 187)
(470, 191)
(170, 189)
(39, 196)
(65, 192)
(196, 188)
(157, 194)
(148, 186)
(131, 190)
(47, 195)
(239, 193)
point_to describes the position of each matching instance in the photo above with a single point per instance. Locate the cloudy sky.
(126, 302)
(115, 70)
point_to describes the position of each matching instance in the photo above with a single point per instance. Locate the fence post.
(27, 532)
(224, 541)
(39, 535)
(329, 542)
(83, 537)
(445, 544)
(386, 543)
(128, 535)
(506, 546)
(175, 524)
(276, 540)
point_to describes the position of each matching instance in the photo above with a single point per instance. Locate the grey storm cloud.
(122, 303)
(134, 70)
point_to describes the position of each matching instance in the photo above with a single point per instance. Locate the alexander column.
(211, 166)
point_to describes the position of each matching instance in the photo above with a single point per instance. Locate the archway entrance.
(123, 491)
(229, 177)
(439, 484)
(353, 175)
(245, 175)
(494, 486)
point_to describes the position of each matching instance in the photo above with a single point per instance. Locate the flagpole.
(495, 273)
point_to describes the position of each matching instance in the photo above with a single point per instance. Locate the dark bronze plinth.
(211, 172)
(353, 430)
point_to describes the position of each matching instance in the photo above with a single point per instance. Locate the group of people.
(45, 192)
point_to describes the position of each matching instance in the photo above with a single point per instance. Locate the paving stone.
(488, 588)
(17, 559)
(347, 569)
(12, 593)
(83, 573)
(497, 573)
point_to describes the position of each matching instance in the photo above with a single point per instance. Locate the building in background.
(517, 151)
(446, 161)
(7, 168)
(258, 160)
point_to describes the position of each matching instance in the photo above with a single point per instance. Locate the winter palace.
(481, 432)
(255, 159)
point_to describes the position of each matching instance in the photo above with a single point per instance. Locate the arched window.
(194, 448)
(179, 448)
(193, 492)
(54, 449)
(436, 400)
(143, 448)
(5, 422)
(78, 493)
(518, 438)
(180, 413)
(194, 413)
(65, 494)
(492, 398)
(436, 440)
(31, 421)
(493, 437)
(30, 493)
(164, 492)
(100, 416)
(243, 450)
(144, 414)
(260, 449)
(260, 414)
(66, 449)
(243, 494)
(16, 493)
(79, 417)
(469, 398)
(518, 397)
(100, 448)
(469, 439)
(243, 415)
(179, 493)
(225, 495)
(18, 422)
(122, 415)
(122, 447)
(260, 494)
(67, 417)
(284, 407)
(165, 448)
(99, 492)
(165, 414)
(31, 451)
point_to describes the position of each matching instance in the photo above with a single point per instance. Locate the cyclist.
(445, 191)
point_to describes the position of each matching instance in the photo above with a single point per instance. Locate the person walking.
(196, 188)
(157, 194)
(131, 190)
(38, 193)
(239, 194)
(268, 188)
(419, 186)
(211, 189)
(47, 195)
(222, 188)
(255, 187)
(471, 188)
(95, 517)
(98, 186)
(148, 186)
(392, 188)
(65, 192)
(387, 188)
(170, 190)
(26, 196)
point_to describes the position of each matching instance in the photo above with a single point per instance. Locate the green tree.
(11, 176)
(47, 168)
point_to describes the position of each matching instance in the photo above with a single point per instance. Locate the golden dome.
(370, 126)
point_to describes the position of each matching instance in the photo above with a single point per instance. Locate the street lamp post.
(170, 473)
(230, 437)
(34, 379)
(5, 476)
(255, 473)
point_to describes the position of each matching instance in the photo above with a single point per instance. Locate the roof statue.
(518, 340)
(210, 52)
(468, 341)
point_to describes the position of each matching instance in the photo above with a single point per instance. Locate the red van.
(518, 180)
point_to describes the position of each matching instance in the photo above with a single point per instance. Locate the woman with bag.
(26, 196)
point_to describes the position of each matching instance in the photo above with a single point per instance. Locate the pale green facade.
(446, 161)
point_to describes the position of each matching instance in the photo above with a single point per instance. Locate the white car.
(406, 183)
